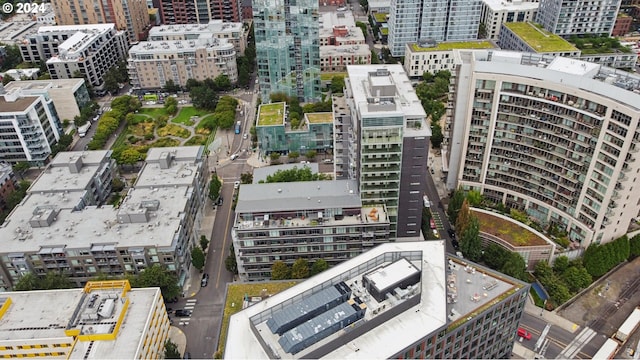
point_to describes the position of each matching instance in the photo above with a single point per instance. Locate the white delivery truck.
(82, 130)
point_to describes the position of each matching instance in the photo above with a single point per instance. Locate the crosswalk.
(190, 305)
(577, 344)
(437, 220)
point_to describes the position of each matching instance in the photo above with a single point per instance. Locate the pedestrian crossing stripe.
(192, 300)
(189, 307)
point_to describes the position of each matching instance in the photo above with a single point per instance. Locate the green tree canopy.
(52, 280)
(158, 276)
(455, 203)
(303, 173)
(204, 242)
(337, 84)
(197, 258)
(319, 266)
(214, 187)
(300, 269)
(470, 243)
(280, 271)
(171, 350)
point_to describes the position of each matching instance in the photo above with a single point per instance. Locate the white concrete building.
(60, 227)
(30, 127)
(16, 30)
(89, 49)
(342, 43)
(69, 96)
(430, 57)
(495, 12)
(555, 137)
(398, 300)
(106, 319)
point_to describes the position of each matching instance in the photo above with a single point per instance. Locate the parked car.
(455, 243)
(220, 200)
(234, 156)
(182, 312)
(236, 184)
(245, 136)
(524, 333)
(452, 234)
(205, 280)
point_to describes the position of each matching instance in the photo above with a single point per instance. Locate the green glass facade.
(277, 138)
(287, 48)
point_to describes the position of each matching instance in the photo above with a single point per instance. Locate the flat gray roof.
(57, 177)
(262, 173)
(21, 104)
(45, 85)
(182, 170)
(298, 195)
(384, 277)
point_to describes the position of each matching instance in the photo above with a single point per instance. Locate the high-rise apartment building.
(29, 127)
(129, 15)
(579, 17)
(105, 319)
(496, 12)
(90, 50)
(287, 48)
(439, 20)
(388, 144)
(307, 220)
(214, 29)
(198, 11)
(405, 300)
(60, 226)
(555, 137)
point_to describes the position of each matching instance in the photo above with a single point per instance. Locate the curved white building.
(556, 137)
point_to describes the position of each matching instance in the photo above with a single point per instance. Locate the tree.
(464, 218)
(230, 264)
(246, 178)
(214, 187)
(302, 173)
(222, 82)
(374, 57)
(52, 280)
(7, 79)
(203, 98)
(576, 278)
(21, 167)
(470, 243)
(274, 156)
(12, 57)
(300, 269)
(634, 246)
(171, 87)
(310, 155)
(514, 266)
(197, 258)
(494, 256)
(129, 156)
(171, 105)
(293, 155)
(27, 282)
(204, 242)
(561, 264)
(158, 276)
(436, 135)
(280, 271)
(474, 198)
(482, 31)
(171, 350)
(319, 266)
(455, 203)
(337, 84)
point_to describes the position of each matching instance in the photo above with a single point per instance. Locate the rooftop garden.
(320, 118)
(271, 114)
(538, 38)
(598, 45)
(455, 45)
(381, 17)
(512, 232)
(328, 76)
(235, 296)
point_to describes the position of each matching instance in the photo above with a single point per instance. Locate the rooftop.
(16, 31)
(320, 118)
(509, 5)
(484, 44)
(381, 17)
(299, 195)
(513, 232)
(179, 46)
(214, 26)
(97, 310)
(261, 173)
(539, 39)
(181, 170)
(344, 50)
(38, 86)
(21, 104)
(448, 291)
(70, 171)
(271, 114)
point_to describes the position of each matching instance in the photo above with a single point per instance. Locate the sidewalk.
(179, 338)
(435, 165)
(192, 283)
(551, 317)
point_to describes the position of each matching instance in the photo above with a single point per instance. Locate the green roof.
(381, 17)
(320, 118)
(329, 75)
(539, 39)
(271, 114)
(454, 45)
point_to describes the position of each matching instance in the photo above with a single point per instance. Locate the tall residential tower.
(580, 17)
(439, 20)
(288, 48)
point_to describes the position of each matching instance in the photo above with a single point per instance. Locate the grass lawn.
(539, 39)
(196, 140)
(271, 114)
(381, 17)
(329, 75)
(507, 230)
(154, 112)
(320, 118)
(173, 130)
(455, 45)
(185, 114)
(235, 295)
